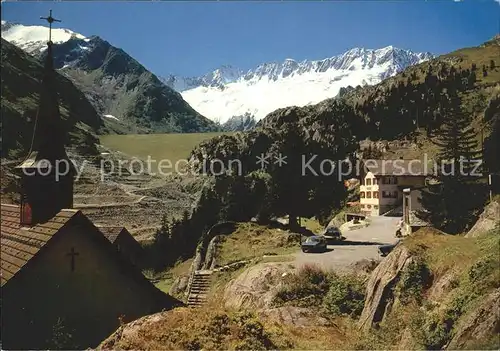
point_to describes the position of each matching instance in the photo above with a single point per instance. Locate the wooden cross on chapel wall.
(73, 254)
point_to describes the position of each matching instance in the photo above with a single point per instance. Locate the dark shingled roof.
(21, 244)
(398, 167)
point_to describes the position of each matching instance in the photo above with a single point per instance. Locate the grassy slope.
(251, 240)
(213, 328)
(173, 147)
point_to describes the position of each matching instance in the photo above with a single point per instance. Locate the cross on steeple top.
(51, 20)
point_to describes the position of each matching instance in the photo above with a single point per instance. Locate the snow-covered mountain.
(33, 39)
(229, 93)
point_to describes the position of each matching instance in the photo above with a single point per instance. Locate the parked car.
(333, 233)
(314, 244)
(384, 250)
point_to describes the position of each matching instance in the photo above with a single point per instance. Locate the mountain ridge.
(129, 98)
(229, 74)
(228, 93)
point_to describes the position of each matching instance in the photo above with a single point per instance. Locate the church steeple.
(47, 173)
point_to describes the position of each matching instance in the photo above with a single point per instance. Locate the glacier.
(229, 92)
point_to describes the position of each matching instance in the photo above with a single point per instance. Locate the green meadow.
(173, 147)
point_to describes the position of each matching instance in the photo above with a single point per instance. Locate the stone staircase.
(199, 288)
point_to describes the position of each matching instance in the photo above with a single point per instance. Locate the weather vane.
(51, 20)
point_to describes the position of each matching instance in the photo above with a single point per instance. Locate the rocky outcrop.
(211, 255)
(380, 286)
(479, 324)
(297, 316)
(488, 220)
(179, 286)
(256, 286)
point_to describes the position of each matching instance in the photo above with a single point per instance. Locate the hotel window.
(375, 181)
(368, 194)
(375, 194)
(362, 194)
(368, 206)
(368, 181)
(390, 194)
(389, 180)
(375, 207)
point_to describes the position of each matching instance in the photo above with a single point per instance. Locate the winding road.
(360, 244)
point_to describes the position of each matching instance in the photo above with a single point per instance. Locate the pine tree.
(492, 65)
(452, 204)
(492, 142)
(457, 138)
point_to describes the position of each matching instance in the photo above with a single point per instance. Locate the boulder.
(487, 221)
(380, 286)
(256, 286)
(479, 324)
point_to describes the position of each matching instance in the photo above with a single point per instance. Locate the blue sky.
(191, 38)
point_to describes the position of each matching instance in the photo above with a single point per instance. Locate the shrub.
(429, 330)
(345, 296)
(413, 280)
(307, 286)
(436, 334)
(252, 334)
(480, 275)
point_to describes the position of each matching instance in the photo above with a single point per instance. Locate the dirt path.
(115, 204)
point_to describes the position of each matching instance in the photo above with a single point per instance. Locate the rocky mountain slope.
(229, 94)
(128, 97)
(21, 84)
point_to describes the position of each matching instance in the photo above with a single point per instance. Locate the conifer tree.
(457, 138)
(453, 203)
